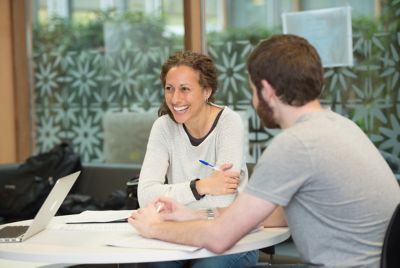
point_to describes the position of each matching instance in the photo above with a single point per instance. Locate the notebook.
(11, 234)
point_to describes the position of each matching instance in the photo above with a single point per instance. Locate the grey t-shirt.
(337, 191)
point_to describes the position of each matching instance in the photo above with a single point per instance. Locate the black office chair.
(390, 256)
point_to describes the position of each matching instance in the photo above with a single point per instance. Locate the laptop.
(11, 234)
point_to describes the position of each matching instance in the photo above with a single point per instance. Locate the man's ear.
(267, 91)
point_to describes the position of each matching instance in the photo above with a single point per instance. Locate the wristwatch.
(194, 190)
(210, 214)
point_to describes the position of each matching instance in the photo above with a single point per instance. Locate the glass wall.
(94, 57)
(367, 93)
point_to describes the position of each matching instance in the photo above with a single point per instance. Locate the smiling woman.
(186, 99)
(191, 127)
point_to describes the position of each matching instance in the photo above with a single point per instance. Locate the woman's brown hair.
(200, 63)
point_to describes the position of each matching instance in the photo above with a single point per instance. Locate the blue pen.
(209, 165)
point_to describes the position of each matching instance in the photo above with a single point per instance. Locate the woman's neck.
(199, 126)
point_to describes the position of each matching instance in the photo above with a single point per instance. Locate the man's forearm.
(217, 235)
(197, 233)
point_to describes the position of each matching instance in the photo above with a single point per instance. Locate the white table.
(84, 246)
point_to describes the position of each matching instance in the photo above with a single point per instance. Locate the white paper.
(99, 216)
(98, 227)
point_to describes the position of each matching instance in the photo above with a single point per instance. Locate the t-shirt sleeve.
(281, 171)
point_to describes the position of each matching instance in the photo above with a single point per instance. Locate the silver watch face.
(210, 214)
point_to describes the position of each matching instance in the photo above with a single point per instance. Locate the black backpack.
(132, 201)
(23, 192)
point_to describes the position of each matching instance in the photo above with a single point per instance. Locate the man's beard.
(266, 114)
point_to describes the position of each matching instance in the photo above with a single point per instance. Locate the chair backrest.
(126, 135)
(390, 256)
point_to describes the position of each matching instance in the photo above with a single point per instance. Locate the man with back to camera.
(337, 191)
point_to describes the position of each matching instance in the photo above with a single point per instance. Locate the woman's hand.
(221, 182)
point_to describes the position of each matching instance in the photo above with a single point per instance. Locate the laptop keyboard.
(13, 231)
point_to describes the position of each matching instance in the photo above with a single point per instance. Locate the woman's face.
(183, 94)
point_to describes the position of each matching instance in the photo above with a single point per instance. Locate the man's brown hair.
(291, 65)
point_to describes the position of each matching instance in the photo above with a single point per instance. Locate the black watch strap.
(194, 190)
